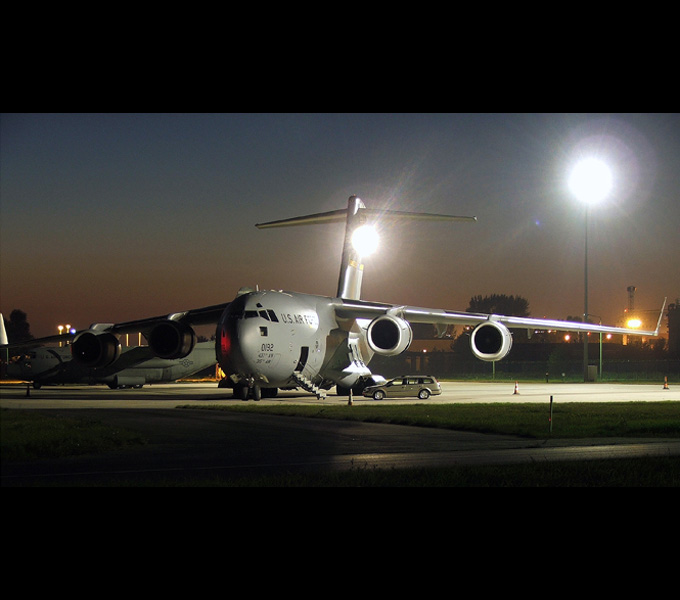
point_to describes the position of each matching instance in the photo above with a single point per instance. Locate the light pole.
(599, 376)
(590, 182)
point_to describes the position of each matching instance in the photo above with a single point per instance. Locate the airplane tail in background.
(356, 215)
(3, 332)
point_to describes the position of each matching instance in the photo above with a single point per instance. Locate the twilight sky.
(111, 217)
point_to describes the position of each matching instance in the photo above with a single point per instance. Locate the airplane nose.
(225, 342)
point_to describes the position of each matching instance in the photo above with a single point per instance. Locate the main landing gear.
(245, 392)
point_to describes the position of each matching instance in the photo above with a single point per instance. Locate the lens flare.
(365, 240)
(591, 180)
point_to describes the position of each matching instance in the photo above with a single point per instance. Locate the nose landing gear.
(248, 389)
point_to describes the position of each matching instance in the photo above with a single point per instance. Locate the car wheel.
(423, 394)
(378, 395)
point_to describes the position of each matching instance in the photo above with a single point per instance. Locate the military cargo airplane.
(136, 366)
(267, 340)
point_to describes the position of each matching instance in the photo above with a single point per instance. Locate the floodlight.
(591, 180)
(365, 240)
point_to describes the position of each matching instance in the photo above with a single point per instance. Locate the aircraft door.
(304, 356)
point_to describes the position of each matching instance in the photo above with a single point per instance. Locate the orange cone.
(665, 383)
(516, 392)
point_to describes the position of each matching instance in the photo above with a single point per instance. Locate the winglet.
(658, 323)
(3, 333)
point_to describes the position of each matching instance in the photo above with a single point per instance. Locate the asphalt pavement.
(185, 444)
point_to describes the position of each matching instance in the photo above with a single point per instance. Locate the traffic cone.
(665, 383)
(516, 392)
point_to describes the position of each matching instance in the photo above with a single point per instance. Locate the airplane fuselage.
(273, 338)
(55, 365)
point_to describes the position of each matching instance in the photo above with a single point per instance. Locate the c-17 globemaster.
(135, 367)
(267, 340)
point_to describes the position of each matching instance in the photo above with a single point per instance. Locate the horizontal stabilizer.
(339, 216)
(415, 216)
(334, 216)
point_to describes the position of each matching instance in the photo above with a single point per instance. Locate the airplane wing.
(348, 309)
(33, 343)
(197, 316)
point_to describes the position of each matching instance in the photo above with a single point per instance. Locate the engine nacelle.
(95, 350)
(172, 339)
(491, 341)
(388, 335)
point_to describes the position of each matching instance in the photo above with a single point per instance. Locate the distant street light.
(590, 182)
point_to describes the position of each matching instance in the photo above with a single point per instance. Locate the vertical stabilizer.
(3, 333)
(356, 214)
(351, 267)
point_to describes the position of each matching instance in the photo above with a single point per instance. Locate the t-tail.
(356, 215)
(3, 332)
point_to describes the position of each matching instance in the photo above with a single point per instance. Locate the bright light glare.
(365, 240)
(591, 180)
(634, 323)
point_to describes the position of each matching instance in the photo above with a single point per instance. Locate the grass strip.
(569, 420)
(27, 435)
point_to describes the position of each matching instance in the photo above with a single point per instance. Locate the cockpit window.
(267, 315)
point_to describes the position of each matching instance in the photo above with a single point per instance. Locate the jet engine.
(95, 350)
(490, 341)
(388, 335)
(172, 339)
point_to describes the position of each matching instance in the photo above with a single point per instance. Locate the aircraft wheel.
(241, 391)
(257, 393)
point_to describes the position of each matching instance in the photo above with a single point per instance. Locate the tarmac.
(181, 445)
